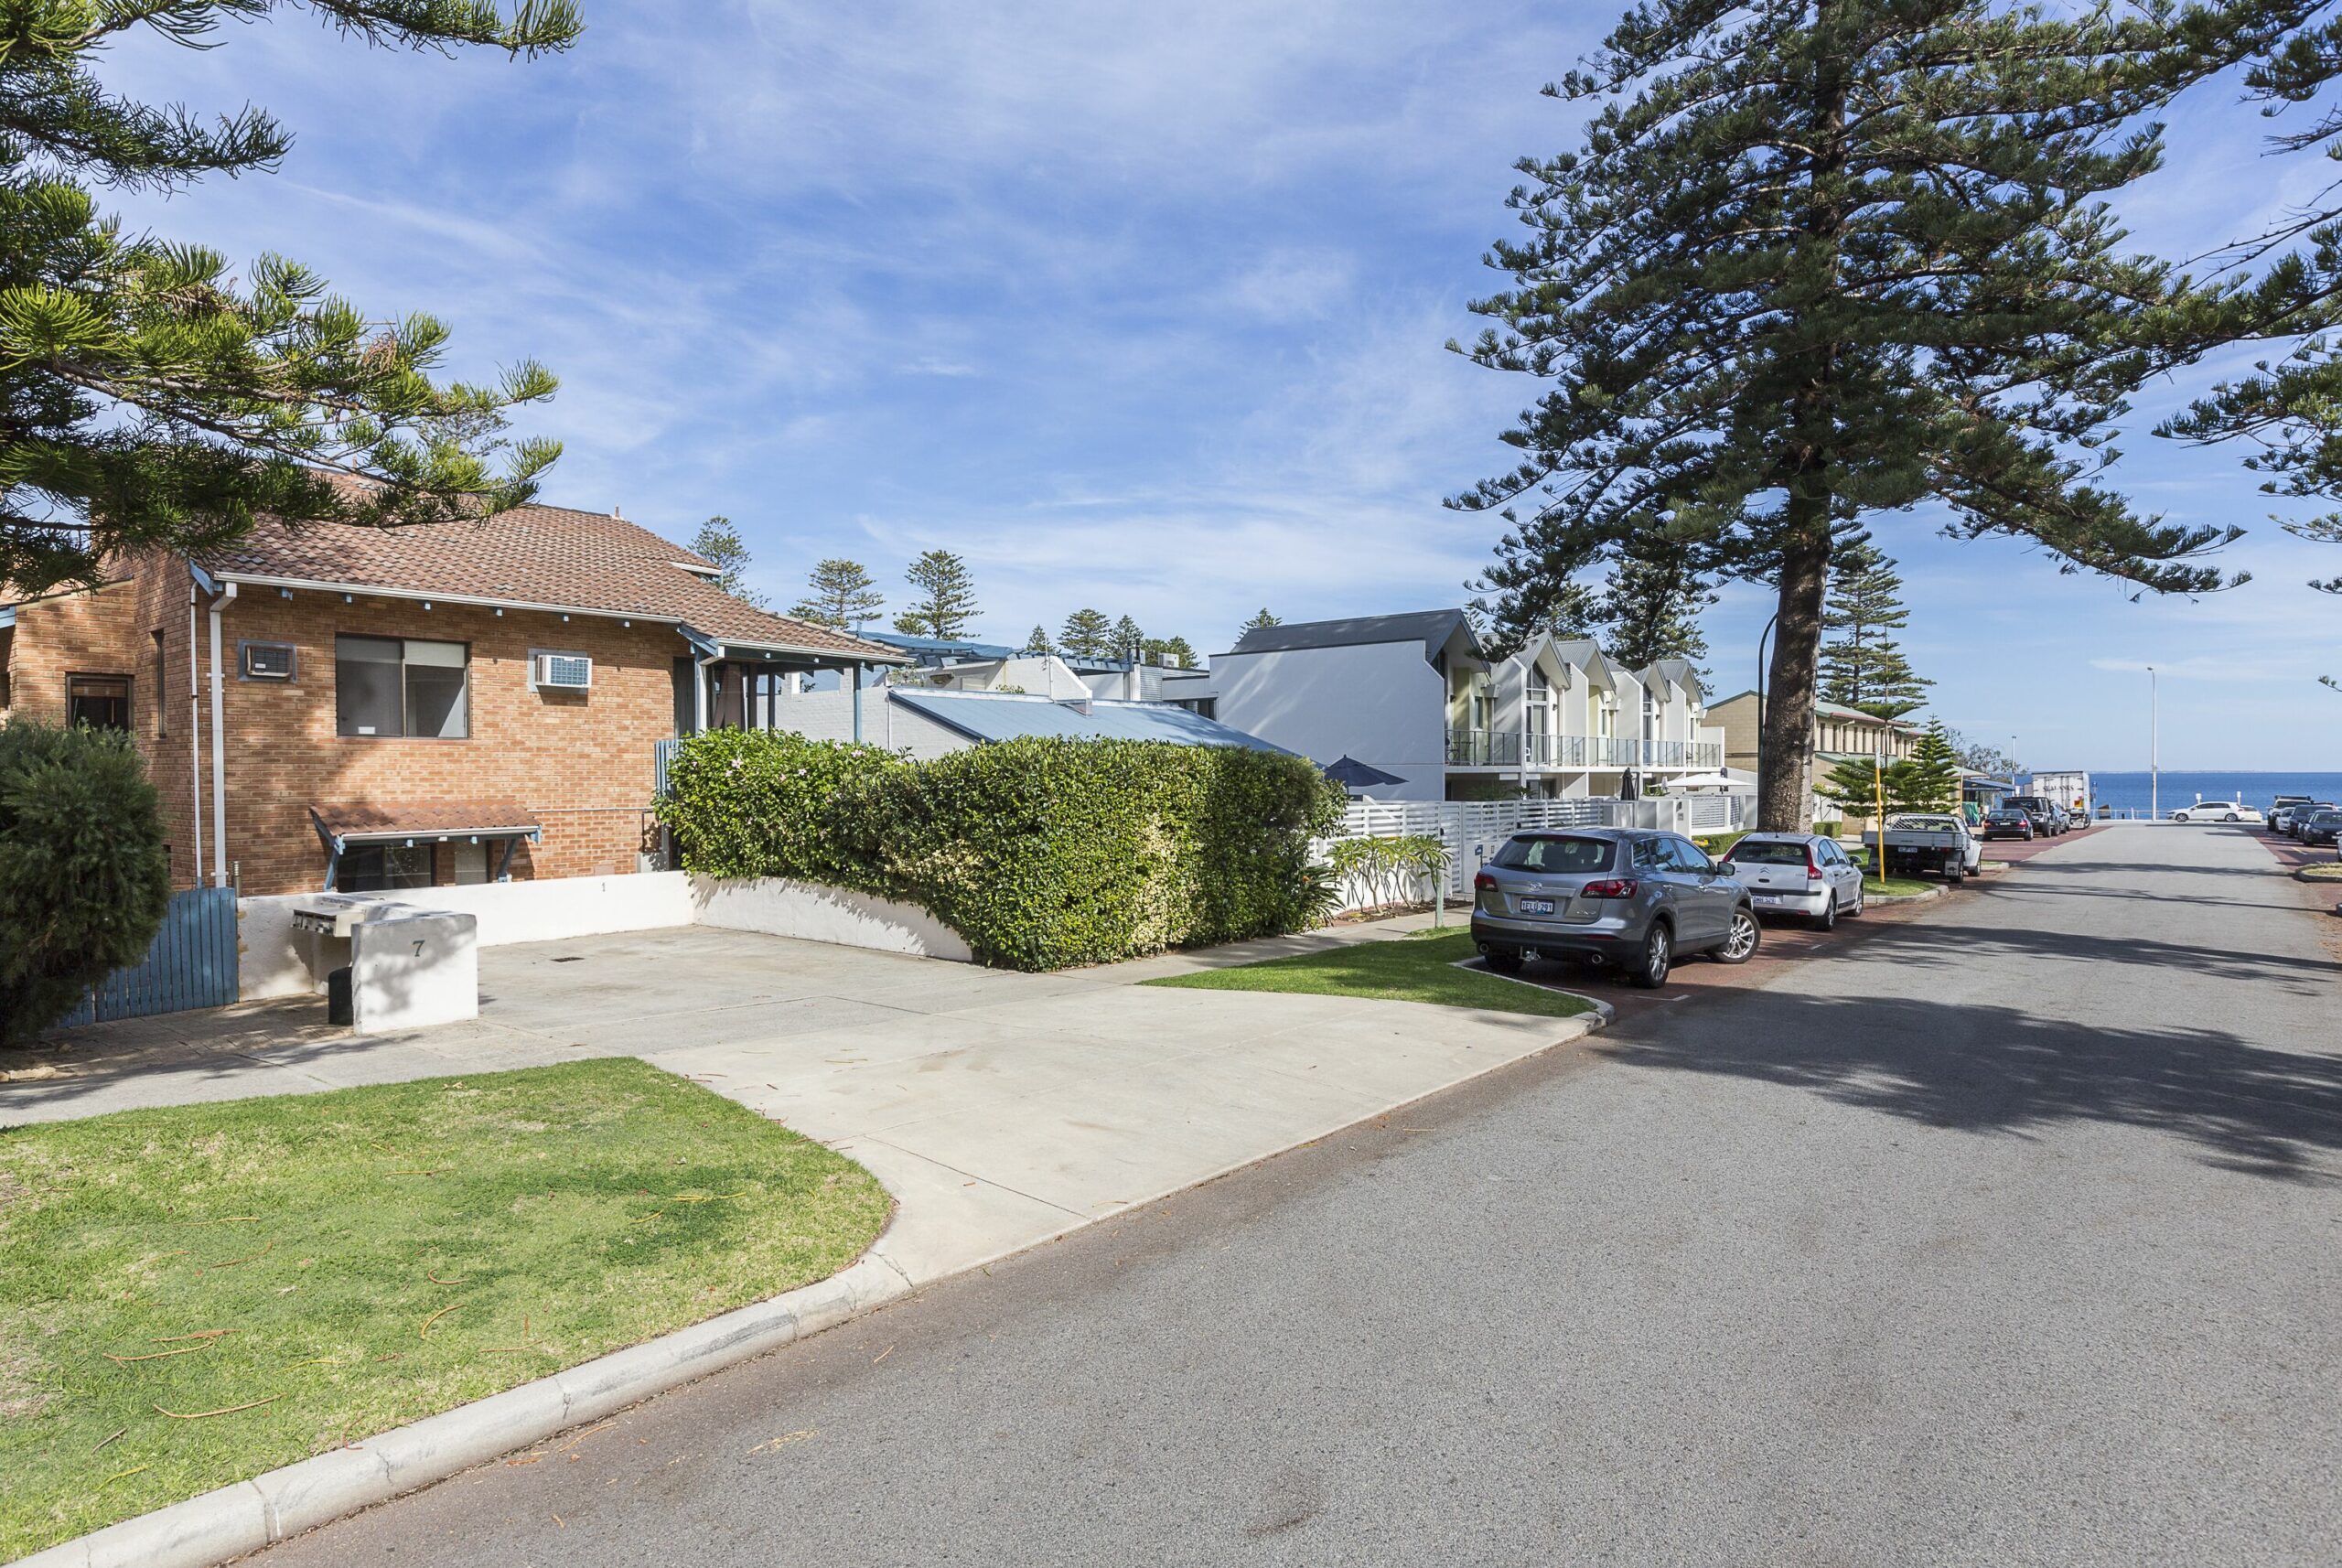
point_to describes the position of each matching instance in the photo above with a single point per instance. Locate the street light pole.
(2154, 759)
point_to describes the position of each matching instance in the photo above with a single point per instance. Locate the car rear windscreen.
(1767, 851)
(1565, 854)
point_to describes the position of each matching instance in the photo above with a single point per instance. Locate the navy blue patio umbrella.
(1351, 774)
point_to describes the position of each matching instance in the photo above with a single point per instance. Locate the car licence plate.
(1771, 898)
(1536, 906)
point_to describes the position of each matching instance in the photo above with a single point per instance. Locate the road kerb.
(241, 1518)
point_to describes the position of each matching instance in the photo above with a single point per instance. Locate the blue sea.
(2128, 791)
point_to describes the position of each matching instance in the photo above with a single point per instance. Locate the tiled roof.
(544, 556)
(436, 819)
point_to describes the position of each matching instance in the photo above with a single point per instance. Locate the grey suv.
(1621, 895)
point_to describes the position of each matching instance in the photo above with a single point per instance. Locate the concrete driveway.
(1001, 1109)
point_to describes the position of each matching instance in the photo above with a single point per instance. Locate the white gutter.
(195, 733)
(218, 749)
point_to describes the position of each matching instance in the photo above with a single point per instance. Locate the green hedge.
(1041, 853)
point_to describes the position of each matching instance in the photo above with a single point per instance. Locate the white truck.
(2070, 791)
(1925, 844)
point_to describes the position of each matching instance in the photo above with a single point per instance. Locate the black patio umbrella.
(1352, 774)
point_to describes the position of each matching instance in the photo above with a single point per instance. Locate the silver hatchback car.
(1620, 895)
(1799, 874)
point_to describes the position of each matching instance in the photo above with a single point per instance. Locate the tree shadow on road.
(1999, 1069)
(1949, 943)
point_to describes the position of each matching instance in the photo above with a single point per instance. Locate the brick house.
(366, 708)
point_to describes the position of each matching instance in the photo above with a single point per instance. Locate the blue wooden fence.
(192, 964)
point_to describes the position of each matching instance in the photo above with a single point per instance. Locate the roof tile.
(541, 556)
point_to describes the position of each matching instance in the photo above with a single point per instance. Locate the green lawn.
(341, 1264)
(1419, 968)
(1894, 887)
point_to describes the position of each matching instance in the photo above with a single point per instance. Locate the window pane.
(1560, 854)
(443, 655)
(1767, 851)
(366, 686)
(434, 702)
(102, 701)
(383, 868)
(471, 864)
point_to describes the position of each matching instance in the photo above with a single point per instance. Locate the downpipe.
(227, 596)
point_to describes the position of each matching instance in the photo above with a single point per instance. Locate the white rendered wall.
(414, 972)
(274, 960)
(1380, 703)
(777, 907)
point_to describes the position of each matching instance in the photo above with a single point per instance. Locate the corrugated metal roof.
(942, 645)
(1004, 716)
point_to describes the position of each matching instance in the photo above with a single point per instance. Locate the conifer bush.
(84, 878)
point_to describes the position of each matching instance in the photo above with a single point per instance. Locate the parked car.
(2048, 818)
(1926, 844)
(2280, 810)
(1612, 894)
(2216, 811)
(1798, 873)
(2299, 822)
(2322, 827)
(2009, 823)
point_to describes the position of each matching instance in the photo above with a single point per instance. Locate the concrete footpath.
(1001, 1110)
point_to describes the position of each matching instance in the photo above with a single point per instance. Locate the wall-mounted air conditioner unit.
(268, 661)
(563, 671)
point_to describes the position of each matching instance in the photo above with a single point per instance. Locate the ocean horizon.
(2130, 790)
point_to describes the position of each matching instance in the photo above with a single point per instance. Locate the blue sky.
(1134, 306)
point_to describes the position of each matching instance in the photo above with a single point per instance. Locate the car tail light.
(1615, 887)
(1812, 869)
(1483, 882)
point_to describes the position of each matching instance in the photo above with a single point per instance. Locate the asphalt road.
(2010, 1235)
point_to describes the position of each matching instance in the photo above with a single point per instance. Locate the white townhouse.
(1416, 697)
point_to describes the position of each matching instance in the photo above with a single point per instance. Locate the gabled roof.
(1430, 628)
(1588, 655)
(1004, 715)
(1679, 672)
(534, 557)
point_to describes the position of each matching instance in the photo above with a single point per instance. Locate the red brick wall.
(111, 632)
(579, 761)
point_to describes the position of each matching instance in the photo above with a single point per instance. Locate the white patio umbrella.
(1701, 782)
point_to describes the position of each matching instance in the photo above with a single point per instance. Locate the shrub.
(764, 803)
(84, 878)
(1040, 852)
(1390, 870)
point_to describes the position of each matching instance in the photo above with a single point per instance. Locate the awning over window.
(346, 823)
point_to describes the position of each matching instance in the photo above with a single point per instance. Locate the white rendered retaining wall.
(274, 960)
(812, 911)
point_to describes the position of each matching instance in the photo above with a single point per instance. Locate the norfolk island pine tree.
(161, 402)
(1827, 260)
